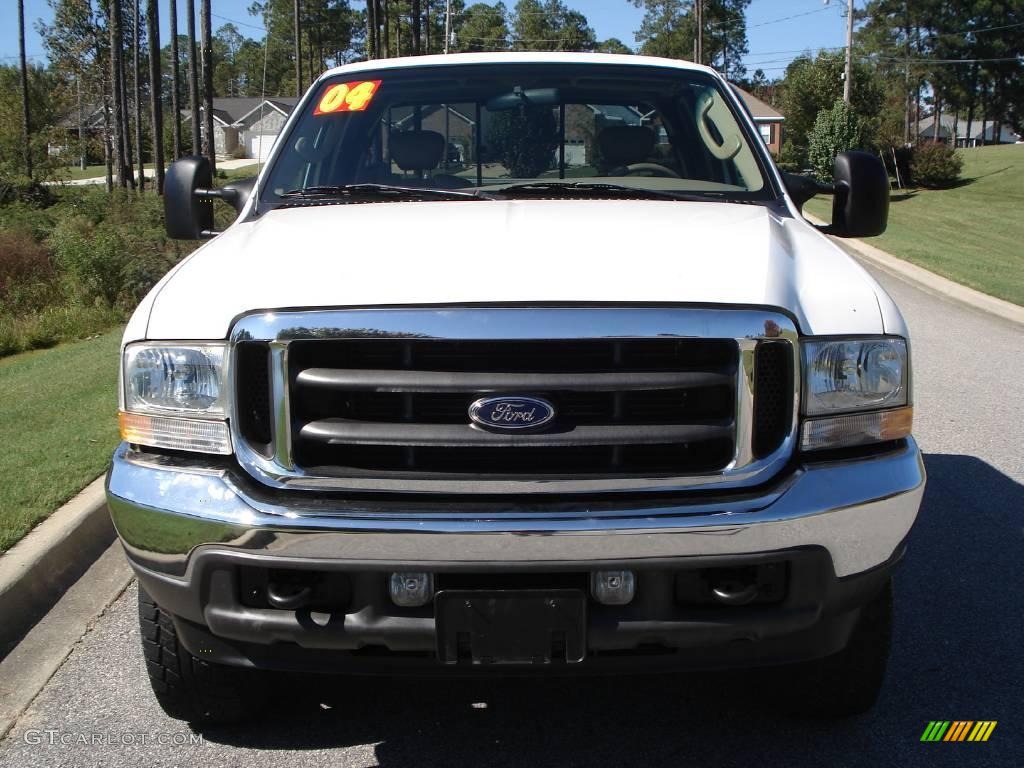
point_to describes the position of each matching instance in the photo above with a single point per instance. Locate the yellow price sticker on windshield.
(347, 97)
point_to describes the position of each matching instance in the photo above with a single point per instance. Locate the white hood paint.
(513, 251)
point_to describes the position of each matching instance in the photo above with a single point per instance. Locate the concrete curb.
(929, 281)
(39, 568)
(29, 666)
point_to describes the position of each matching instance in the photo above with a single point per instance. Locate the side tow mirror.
(803, 188)
(189, 196)
(861, 204)
(186, 215)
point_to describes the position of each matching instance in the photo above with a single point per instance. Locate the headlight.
(175, 397)
(861, 385)
(854, 375)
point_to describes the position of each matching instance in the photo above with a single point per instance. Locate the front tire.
(189, 688)
(849, 682)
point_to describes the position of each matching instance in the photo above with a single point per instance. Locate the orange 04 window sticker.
(347, 97)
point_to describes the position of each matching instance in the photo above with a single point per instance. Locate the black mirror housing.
(236, 194)
(861, 204)
(186, 215)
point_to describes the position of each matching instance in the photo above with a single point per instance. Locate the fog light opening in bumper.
(411, 590)
(613, 587)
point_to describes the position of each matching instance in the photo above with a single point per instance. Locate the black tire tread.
(188, 688)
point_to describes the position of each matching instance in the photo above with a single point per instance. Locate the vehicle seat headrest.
(626, 144)
(417, 150)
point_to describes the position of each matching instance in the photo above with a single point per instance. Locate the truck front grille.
(346, 407)
(633, 406)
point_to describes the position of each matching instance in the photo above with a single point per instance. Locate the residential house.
(247, 125)
(769, 121)
(981, 131)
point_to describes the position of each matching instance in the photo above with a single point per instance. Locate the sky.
(777, 30)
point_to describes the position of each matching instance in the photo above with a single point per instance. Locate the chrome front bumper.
(165, 510)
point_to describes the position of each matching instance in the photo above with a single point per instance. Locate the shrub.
(54, 325)
(238, 153)
(92, 258)
(26, 275)
(935, 165)
(835, 130)
(19, 189)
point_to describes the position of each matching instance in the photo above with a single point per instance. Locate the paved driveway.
(957, 655)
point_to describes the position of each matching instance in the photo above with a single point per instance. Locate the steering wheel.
(651, 169)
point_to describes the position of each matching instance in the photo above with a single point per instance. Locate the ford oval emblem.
(511, 412)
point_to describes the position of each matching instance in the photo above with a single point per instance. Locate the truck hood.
(551, 251)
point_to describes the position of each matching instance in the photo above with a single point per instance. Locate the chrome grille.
(379, 399)
(624, 406)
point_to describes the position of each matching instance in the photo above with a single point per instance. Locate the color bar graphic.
(958, 730)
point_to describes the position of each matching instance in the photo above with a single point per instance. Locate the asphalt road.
(957, 652)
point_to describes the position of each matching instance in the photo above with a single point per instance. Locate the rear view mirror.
(861, 204)
(189, 196)
(530, 97)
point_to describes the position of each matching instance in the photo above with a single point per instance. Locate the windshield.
(506, 129)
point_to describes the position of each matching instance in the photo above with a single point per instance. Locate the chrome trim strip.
(280, 423)
(860, 510)
(745, 404)
(746, 326)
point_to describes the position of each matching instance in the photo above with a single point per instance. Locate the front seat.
(420, 152)
(625, 145)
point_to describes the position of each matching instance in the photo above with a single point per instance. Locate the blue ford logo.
(511, 412)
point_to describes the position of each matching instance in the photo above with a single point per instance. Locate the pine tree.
(175, 82)
(155, 92)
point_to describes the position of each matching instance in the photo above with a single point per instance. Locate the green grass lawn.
(58, 426)
(90, 172)
(98, 171)
(972, 233)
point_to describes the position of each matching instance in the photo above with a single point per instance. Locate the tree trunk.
(207, 35)
(298, 49)
(193, 74)
(936, 118)
(156, 106)
(108, 158)
(416, 19)
(371, 29)
(26, 116)
(138, 96)
(81, 128)
(426, 26)
(387, 28)
(114, 27)
(175, 84)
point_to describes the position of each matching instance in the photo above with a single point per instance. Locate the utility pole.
(298, 50)
(25, 116)
(699, 58)
(447, 25)
(848, 79)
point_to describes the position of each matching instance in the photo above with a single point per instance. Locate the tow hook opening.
(732, 586)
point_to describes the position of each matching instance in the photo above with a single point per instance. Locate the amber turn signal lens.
(175, 433)
(857, 429)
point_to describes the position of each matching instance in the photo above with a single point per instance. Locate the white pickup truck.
(518, 363)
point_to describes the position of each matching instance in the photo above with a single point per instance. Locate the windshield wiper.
(596, 189)
(375, 192)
